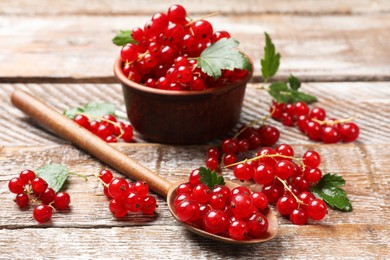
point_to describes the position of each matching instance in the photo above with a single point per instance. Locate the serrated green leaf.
(328, 189)
(297, 96)
(210, 178)
(279, 92)
(54, 174)
(123, 37)
(294, 82)
(271, 61)
(93, 108)
(222, 55)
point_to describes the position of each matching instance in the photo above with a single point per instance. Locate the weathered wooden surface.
(369, 101)
(115, 7)
(339, 47)
(315, 48)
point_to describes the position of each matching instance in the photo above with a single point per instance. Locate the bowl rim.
(131, 84)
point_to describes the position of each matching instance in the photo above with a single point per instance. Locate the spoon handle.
(67, 129)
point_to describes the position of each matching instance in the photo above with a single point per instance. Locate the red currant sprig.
(31, 189)
(126, 197)
(313, 124)
(108, 128)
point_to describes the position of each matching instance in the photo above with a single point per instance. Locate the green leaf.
(270, 62)
(222, 55)
(297, 96)
(123, 37)
(93, 108)
(294, 82)
(328, 189)
(210, 178)
(54, 174)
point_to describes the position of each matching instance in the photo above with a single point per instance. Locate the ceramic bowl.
(182, 117)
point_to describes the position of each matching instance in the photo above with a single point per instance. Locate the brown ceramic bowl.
(182, 117)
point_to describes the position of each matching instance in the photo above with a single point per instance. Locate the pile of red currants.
(30, 188)
(164, 53)
(127, 197)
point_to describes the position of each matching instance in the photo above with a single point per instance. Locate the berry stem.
(201, 18)
(101, 181)
(264, 156)
(289, 190)
(334, 122)
(79, 175)
(106, 120)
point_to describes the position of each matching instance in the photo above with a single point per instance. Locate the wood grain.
(366, 229)
(133, 7)
(315, 48)
(368, 101)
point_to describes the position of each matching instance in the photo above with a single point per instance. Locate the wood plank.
(315, 48)
(369, 101)
(131, 7)
(89, 225)
(173, 242)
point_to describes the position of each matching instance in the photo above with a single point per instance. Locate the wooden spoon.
(50, 118)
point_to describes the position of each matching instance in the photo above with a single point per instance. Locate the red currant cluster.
(164, 55)
(236, 213)
(28, 188)
(108, 128)
(248, 138)
(313, 124)
(285, 182)
(127, 197)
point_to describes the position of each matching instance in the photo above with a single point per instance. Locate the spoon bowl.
(90, 143)
(272, 222)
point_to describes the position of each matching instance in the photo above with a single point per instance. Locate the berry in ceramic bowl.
(183, 82)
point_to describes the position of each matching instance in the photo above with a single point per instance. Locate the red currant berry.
(241, 205)
(217, 201)
(16, 185)
(305, 197)
(61, 200)
(229, 146)
(286, 150)
(284, 169)
(302, 122)
(287, 119)
(223, 191)
(42, 213)
(117, 206)
(349, 132)
(27, 176)
(313, 131)
(129, 52)
(119, 188)
(134, 202)
(313, 175)
(267, 160)
(212, 163)
(273, 191)
(242, 145)
(254, 141)
(219, 35)
(188, 211)
(240, 190)
(215, 221)
(194, 178)
(202, 29)
(238, 230)
(229, 159)
(22, 200)
(38, 185)
(311, 159)
(137, 34)
(269, 135)
(330, 135)
(47, 196)
(201, 193)
(317, 209)
(177, 14)
(106, 176)
(317, 113)
(264, 174)
(180, 198)
(260, 201)
(127, 133)
(141, 188)
(286, 204)
(300, 109)
(299, 216)
(257, 225)
(149, 205)
(184, 188)
(243, 171)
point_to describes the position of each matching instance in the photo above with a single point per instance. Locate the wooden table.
(61, 52)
